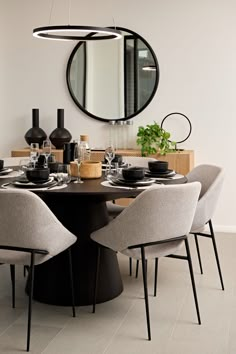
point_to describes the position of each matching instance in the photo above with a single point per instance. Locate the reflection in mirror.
(109, 80)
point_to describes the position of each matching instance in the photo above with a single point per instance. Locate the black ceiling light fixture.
(149, 68)
(74, 32)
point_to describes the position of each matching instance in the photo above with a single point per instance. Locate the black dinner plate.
(167, 173)
(5, 171)
(25, 183)
(146, 181)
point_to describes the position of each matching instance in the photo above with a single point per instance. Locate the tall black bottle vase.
(60, 135)
(35, 134)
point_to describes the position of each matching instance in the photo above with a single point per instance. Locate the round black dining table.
(82, 209)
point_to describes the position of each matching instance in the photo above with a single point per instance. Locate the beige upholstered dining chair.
(13, 161)
(139, 161)
(158, 232)
(116, 209)
(30, 234)
(211, 178)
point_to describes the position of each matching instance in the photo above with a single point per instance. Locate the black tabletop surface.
(90, 188)
(93, 188)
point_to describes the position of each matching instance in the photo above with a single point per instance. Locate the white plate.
(5, 171)
(105, 166)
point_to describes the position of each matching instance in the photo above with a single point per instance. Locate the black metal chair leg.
(155, 279)
(71, 283)
(137, 267)
(130, 266)
(12, 270)
(31, 286)
(192, 279)
(96, 278)
(144, 268)
(216, 254)
(25, 269)
(198, 253)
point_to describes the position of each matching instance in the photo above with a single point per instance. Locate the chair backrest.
(211, 178)
(159, 213)
(13, 161)
(26, 221)
(138, 160)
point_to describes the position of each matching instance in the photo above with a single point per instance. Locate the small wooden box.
(90, 169)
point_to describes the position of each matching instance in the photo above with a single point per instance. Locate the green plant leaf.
(153, 139)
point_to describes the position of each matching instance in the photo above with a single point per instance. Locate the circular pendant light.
(149, 68)
(71, 32)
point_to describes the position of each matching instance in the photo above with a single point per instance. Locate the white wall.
(194, 43)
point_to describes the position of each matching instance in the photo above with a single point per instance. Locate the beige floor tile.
(119, 326)
(13, 340)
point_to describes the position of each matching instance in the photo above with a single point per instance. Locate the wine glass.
(76, 167)
(46, 150)
(34, 153)
(109, 156)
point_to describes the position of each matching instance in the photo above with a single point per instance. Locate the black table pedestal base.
(52, 284)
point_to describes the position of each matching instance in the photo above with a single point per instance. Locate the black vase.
(35, 134)
(60, 135)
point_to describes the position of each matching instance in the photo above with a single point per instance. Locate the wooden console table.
(26, 152)
(180, 161)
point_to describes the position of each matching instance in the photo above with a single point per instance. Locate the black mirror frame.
(113, 119)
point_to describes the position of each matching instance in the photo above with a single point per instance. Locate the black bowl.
(37, 174)
(158, 166)
(1, 164)
(133, 173)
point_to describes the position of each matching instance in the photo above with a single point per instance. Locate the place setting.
(7, 171)
(131, 178)
(159, 171)
(34, 173)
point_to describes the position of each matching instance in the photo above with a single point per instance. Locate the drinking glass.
(46, 150)
(34, 153)
(78, 157)
(77, 171)
(23, 165)
(109, 156)
(63, 175)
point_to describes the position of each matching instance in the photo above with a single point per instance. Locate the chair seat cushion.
(195, 230)
(21, 258)
(114, 209)
(156, 251)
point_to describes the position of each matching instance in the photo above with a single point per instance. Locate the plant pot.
(60, 135)
(35, 134)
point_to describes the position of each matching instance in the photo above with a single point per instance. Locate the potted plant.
(154, 139)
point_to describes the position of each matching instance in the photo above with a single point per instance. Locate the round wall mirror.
(113, 80)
